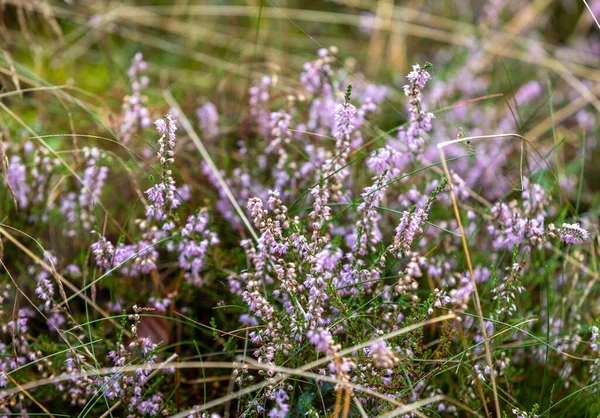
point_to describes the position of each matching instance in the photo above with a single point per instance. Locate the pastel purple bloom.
(135, 114)
(410, 225)
(282, 406)
(569, 233)
(327, 259)
(383, 356)
(420, 121)
(193, 248)
(259, 99)
(315, 76)
(528, 92)
(208, 118)
(17, 180)
(321, 339)
(344, 114)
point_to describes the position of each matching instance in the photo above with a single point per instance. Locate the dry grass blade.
(591, 13)
(409, 22)
(35, 307)
(59, 277)
(195, 365)
(410, 328)
(51, 19)
(61, 288)
(58, 156)
(488, 349)
(576, 84)
(13, 71)
(560, 115)
(301, 371)
(205, 35)
(200, 57)
(4, 170)
(383, 21)
(359, 406)
(412, 408)
(30, 396)
(477, 300)
(519, 23)
(209, 161)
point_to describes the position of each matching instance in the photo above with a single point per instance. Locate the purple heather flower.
(374, 94)
(156, 197)
(368, 231)
(104, 252)
(321, 209)
(367, 22)
(166, 150)
(461, 294)
(81, 206)
(135, 114)
(321, 339)
(257, 303)
(388, 158)
(163, 195)
(73, 270)
(184, 192)
(418, 77)
(108, 257)
(382, 354)
(259, 99)
(419, 120)
(280, 123)
(594, 338)
(410, 225)
(315, 77)
(161, 305)
(41, 172)
(55, 321)
(512, 225)
(528, 92)
(193, 248)
(327, 259)
(344, 115)
(248, 320)
(45, 288)
(117, 306)
(208, 118)
(440, 299)
(373, 195)
(482, 274)
(506, 291)
(17, 180)
(569, 233)
(282, 407)
(321, 115)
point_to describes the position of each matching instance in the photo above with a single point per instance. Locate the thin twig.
(488, 349)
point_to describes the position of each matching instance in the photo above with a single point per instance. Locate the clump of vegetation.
(305, 242)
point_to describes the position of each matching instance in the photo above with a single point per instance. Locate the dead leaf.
(156, 327)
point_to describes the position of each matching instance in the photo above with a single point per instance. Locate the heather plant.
(300, 239)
